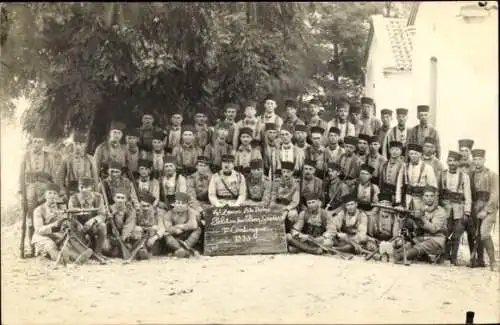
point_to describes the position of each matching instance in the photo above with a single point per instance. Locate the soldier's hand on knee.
(481, 215)
(151, 241)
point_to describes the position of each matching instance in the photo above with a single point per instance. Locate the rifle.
(136, 249)
(477, 239)
(399, 210)
(330, 250)
(25, 217)
(114, 228)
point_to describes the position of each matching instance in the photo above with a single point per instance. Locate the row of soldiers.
(247, 163)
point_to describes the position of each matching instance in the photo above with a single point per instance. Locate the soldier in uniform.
(456, 199)
(227, 187)
(197, 185)
(355, 114)
(432, 222)
(484, 186)
(375, 159)
(259, 186)
(349, 162)
(288, 152)
(367, 193)
(246, 152)
(420, 132)
(228, 123)
(291, 115)
(132, 153)
(335, 189)
(342, 122)
(180, 224)
(146, 131)
(111, 149)
(386, 226)
(250, 121)
(392, 173)
(214, 151)
(362, 148)
(174, 132)
(270, 115)
(116, 180)
(203, 133)
(429, 157)
(187, 152)
(48, 233)
(309, 183)
(147, 184)
(285, 195)
(314, 222)
(270, 148)
(171, 182)
(316, 152)
(370, 122)
(93, 223)
(333, 150)
(398, 133)
(315, 121)
(386, 115)
(465, 148)
(350, 226)
(157, 154)
(79, 164)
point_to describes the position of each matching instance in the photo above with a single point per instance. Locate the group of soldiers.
(330, 179)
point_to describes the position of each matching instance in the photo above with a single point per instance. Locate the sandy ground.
(242, 289)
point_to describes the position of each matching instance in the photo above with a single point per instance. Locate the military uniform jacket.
(371, 125)
(110, 185)
(152, 186)
(169, 185)
(285, 194)
(157, 159)
(187, 221)
(93, 201)
(197, 186)
(255, 124)
(314, 185)
(271, 118)
(381, 134)
(335, 190)
(214, 153)
(132, 159)
(377, 162)
(395, 134)
(36, 168)
(333, 154)
(346, 129)
(125, 219)
(105, 152)
(244, 155)
(146, 137)
(228, 125)
(291, 153)
(367, 194)
(318, 155)
(292, 122)
(187, 157)
(74, 167)
(436, 227)
(355, 226)
(392, 178)
(224, 189)
(455, 193)
(203, 135)
(417, 177)
(436, 165)
(44, 218)
(173, 139)
(484, 186)
(258, 191)
(349, 167)
(419, 133)
(314, 224)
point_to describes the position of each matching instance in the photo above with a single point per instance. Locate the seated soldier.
(187, 152)
(367, 194)
(246, 152)
(180, 226)
(147, 225)
(310, 183)
(313, 223)
(94, 223)
(49, 234)
(285, 195)
(171, 181)
(147, 184)
(197, 185)
(430, 242)
(123, 215)
(258, 185)
(116, 180)
(335, 190)
(350, 226)
(227, 187)
(385, 226)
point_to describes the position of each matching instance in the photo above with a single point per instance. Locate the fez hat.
(287, 165)
(250, 103)
(145, 163)
(385, 196)
(401, 111)
(290, 103)
(270, 126)
(188, 128)
(430, 188)
(122, 190)
(465, 143)
(231, 105)
(414, 147)
(351, 140)
(349, 198)
(85, 181)
(364, 137)
(398, 144)
(385, 111)
(202, 159)
(146, 197)
(454, 155)
(256, 164)
(367, 168)
(422, 108)
(317, 129)
(354, 108)
(301, 128)
(430, 140)
(52, 187)
(481, 153)
(367, 100)
(287, 128)
(182, 197)
(334, 166)
(310, 162)
(158, 135)
(117, 125)
(80, 137)
(170, 159)
(228, 158)
(115, 165)
(314, 101)
(269, 96)
(246, 130)
(373, 139)
(335, 130)
(311, 196)
(147, 111)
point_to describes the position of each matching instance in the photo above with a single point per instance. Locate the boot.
(84, 257)
(142, 254)
(172, 243)
(181, 253)
(479, 261)
(193, 238)
(53, 254)
(490, 251)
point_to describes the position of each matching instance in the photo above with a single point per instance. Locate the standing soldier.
(246, 152)
(465, 148)
(350, 226)
(174, 132)
(386, 115)
(285, 195)
(228, 123)
(355, 114)
(250, 121)
(362, 147)
(349, 162)
(115, 181)
(147, 130)
(367, 194)
(420, 132)
(197, 185)
(310, 183)
(288, 152)
(429, 157)
(157, 154)
(291, 115)
(371, 123)
(36, 173)
(335, 190)
(342, 122)
(258, 185)
(270, 115)
(110, 150)
(187, 152)
(457, 201)
(203, 133)
(300, 136)
(132, 153)
(270, 147)
(171, 182)
(333, 150)
(392, 173)
(147, 184)
(484, 186)
(375, 159)
(316, 152)
(417, 175)
(398, 133)
(214, 151)
(79, 164)
(227, 187)
(315, 121)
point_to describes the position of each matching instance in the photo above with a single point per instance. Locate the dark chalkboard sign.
(244, 230)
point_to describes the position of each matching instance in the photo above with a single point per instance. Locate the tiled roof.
(400, 38)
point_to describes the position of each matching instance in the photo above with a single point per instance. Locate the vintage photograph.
(249, 162)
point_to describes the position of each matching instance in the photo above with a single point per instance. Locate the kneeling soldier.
(258, 185)
(286, 195)
(350, 226)
(48, 233)
(313, 225)
(180, 226)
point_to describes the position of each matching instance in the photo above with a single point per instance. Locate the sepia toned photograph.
(249, 163)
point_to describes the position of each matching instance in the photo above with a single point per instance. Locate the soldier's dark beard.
(308, 176)
(453, 168)
(227, 172)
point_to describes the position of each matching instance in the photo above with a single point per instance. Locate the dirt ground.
(242, 289)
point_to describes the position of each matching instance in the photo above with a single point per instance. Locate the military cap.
(480, 153)
(287, 128)
(335, 130)
(351, 140)
(385, 196)
(287, 165)
(465, 143)
(269, 96)
(115, 165)
(367, 168)
(385, 111)
(270, 126)
(311, 196)
(85, 181)
(80, 137)
(148, 111)
(145, 163)
(422, 108)
(367, 100)
(132, 132)
(170, 159)
(414, 147)
(52, 187)
(317, 129)
(430, 188)
(121, 190)
(146, 197)
(117, 125)
(256, 164)
(188, 128)
(398, 144)
(301, 128)
(202, 159)
(231, 105)
(373, 139)
(228, 158)
(354, 108)
(334, 166)
(364, 137)
(349, 198)
(310, 162)
(182, 197)
(430, 140)
(175, 113)
(401, 111)
(454, 155)
(314, 101)
(246, 130)
(290, 103)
